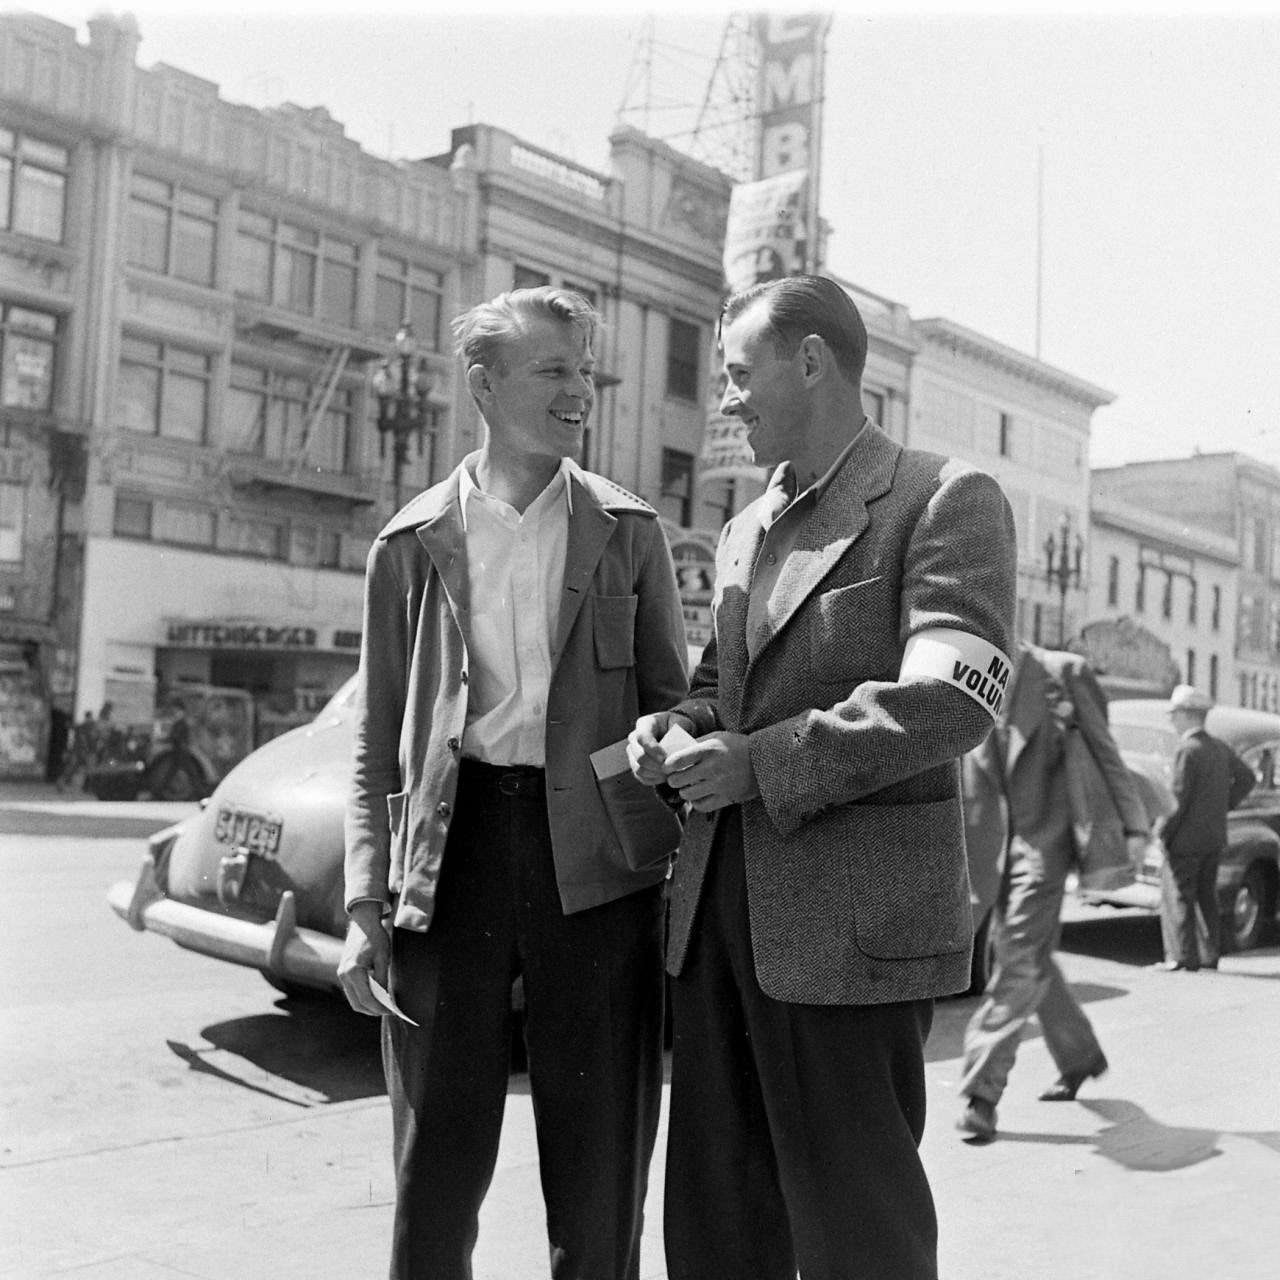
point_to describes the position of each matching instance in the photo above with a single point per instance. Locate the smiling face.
(765, 390)
(539, 394)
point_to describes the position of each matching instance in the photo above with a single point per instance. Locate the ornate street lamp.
(401, 382)
(1062, 569)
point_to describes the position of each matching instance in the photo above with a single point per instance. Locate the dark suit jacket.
(1209, 779)
(854, 851)
(1054, 694)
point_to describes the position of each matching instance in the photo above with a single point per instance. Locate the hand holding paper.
(387, 1001)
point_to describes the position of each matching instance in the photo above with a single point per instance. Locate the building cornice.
(1175, 534)
(940, 332)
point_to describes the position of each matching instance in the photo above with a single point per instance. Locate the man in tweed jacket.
(820, 899)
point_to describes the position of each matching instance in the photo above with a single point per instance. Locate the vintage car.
(1249, 873)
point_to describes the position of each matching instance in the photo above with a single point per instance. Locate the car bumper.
(278, 948)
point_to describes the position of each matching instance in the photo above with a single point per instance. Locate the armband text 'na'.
(961, 659)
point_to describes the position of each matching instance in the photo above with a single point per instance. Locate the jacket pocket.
(854, 632)
(614, 622)
(908, 883)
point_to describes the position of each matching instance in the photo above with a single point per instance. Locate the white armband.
(962, 660)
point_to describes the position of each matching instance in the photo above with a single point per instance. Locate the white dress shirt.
(515, 565)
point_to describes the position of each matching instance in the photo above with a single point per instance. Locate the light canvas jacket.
(854, 851)
(618, 652)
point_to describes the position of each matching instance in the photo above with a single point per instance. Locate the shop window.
(405, 291)
(163, 390)
(13, 519)
(33, 186)
(28, 342)
(684, 354)
(171, 230)
(315, 548)
(676, 502)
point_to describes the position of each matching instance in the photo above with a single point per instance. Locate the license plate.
(257, 832)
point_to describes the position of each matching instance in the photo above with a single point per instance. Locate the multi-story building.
(192, 295)
(1028, 424)
(1238, 498)
(1161, 602)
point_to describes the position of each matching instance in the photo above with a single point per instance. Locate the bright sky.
(1160, 136)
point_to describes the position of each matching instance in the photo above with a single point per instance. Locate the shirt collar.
(784, 477)
(467, 486)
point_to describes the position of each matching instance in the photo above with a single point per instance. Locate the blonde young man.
(518, 616)
(820, 899)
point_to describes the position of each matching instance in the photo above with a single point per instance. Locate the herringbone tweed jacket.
(854, 851)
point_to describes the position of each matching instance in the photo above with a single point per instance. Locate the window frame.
(684, 371)
(20, 154)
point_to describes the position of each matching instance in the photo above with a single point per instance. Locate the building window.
(172, 231)
(684, 355)
(28, 342)
(296, 269)
(528, 278)
(590, 294)
(1213, 676)
(33, 186)
(1193, 602)
(873, 405)
(182, 523)
(1113, 580)
(315, 548)
(1191, 666)
(718, 502)
(1140, 591)
(339, 261)
(1166, 599)
(163, 390)
(1259, 546)
(1037, 624)
(132, 517)
(247, 536)
(1006, 435)
(677, 487)
(267, 416)
(403, 292)
(1215, 615)
(13, 519)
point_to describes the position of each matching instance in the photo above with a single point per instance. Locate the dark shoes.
(1067, 1085)
(978, 1120)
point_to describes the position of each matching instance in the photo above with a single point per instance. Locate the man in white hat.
(1209, 779)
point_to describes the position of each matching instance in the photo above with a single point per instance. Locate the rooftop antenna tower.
(716, 125)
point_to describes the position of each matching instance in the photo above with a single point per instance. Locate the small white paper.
(611, 760)
(383, 997)
(676, 739)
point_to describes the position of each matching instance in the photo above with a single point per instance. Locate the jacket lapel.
(445, 541)
(590, 527)
(834, 525)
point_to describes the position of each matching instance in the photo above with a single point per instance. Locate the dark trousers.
(794, 1128)
(593, 1029)
(1190, 926)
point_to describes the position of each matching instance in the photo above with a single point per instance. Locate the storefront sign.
(228, 634)
(695, 561)
(767, 232)
(789, 90)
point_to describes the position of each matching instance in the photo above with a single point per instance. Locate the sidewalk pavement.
(39, 808)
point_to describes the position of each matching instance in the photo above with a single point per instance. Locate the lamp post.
(401, 382)
(1062, 569)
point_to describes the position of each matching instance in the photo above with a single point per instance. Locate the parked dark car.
(1249, 874)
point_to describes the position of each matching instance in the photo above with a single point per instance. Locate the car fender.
(1248, 842)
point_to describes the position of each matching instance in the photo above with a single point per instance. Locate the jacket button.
(443, 809)
(455, 744)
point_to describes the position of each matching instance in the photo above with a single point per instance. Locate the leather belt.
(506, 779)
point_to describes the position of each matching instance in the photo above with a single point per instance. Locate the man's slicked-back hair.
(800, 305)
(481, 334)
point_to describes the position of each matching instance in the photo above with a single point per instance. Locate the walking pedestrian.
(1209, 780)
(519, 616)
(1030, 833)
(864, 606)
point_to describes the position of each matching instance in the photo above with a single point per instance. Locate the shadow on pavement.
(317, 1044)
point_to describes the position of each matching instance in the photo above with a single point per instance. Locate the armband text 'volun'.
(962, 660)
